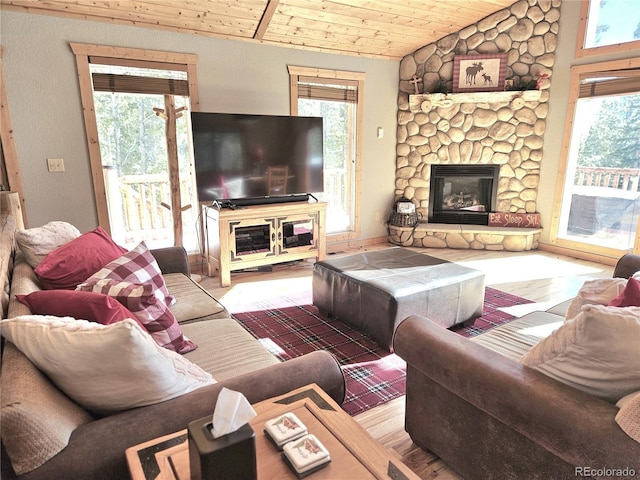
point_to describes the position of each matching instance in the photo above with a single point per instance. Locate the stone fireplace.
(497, 131)
(503, 130)
(462, 194)
(500, 130)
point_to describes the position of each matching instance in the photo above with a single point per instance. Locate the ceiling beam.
(266, 19)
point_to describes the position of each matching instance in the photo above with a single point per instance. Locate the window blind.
(610, 83)
(336, 91)
(109, 82)
(139, 76)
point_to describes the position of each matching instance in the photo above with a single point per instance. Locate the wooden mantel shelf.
(427, 101)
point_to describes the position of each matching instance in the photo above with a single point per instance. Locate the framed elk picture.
(479, 73)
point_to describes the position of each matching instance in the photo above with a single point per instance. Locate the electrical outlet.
(55, 164)
(377, 216)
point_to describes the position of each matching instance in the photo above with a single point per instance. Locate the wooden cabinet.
(249, 237)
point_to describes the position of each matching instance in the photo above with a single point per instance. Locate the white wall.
(233, 76)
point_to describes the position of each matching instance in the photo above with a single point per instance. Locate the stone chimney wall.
(493, 128)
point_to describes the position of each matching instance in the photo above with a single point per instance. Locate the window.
(337, 97)
(136, 107)
(608, 26)
(599, 205)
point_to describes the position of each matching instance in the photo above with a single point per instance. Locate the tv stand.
(259, 235)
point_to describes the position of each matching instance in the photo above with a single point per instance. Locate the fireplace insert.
(462, 194)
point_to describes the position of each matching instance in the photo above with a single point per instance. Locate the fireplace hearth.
(462, 194)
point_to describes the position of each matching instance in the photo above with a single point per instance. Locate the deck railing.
(618, 178)
(334, 185)
(144, 201)
(145, 205)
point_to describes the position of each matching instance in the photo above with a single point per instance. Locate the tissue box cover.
(229, 457)
(284, 429)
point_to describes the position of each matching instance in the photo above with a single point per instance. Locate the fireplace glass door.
(462, 194)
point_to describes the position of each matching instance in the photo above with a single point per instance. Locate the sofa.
(47, 435)
(475, 404)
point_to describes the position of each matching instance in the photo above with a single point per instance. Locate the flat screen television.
(245, 159)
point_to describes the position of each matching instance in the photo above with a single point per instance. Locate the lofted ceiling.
(387, 29)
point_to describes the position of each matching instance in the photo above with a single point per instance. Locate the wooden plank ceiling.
(373, 28)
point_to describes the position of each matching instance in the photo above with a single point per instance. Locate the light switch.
(55, 164)
(380, 132)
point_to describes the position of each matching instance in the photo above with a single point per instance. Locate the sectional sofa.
(47, 434)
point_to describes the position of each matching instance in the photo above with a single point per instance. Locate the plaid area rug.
(373, 375)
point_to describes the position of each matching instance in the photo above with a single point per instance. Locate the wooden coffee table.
(354, 453)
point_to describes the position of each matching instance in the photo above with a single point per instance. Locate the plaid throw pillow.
(144, 301)
(137, 266)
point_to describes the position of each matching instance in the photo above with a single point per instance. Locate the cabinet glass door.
(252, 239)
(297, 232)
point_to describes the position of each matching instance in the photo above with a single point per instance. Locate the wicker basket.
(403, 219)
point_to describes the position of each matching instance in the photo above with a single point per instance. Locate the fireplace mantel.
(428, 101)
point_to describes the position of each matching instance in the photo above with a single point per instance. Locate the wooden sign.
(519, 220)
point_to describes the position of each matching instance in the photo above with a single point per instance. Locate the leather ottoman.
(375, 291)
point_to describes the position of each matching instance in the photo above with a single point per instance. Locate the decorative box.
(306, 455)
(284, 429)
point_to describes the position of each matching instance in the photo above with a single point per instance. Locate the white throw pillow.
(104, 368)
(36, 243)
(628, 417)
(598, 352)
(599, 291)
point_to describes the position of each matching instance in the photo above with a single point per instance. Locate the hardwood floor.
(542, 277)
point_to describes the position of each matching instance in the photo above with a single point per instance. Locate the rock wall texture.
(473, 237)
(492, 129)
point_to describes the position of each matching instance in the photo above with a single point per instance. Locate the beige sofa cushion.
(37, 418)
(226, 349)
(516, 338)
(193, 302)
(24, 281)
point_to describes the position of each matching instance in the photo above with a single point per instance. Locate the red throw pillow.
(95, 307)
(143, 300)
(629, 297)
(72, 263)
